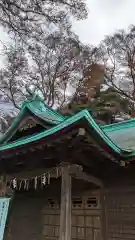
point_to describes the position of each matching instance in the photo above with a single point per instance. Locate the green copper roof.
(123, 134)
(83, 114)
(38, 108)
(119, 137)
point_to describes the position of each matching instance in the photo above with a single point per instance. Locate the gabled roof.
(40, 109)
(117, 139)
(83, 115)
(35, 107)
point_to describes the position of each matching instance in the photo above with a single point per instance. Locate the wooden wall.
(120, 212)
(85, 218)
(24, 220)
(38, 218)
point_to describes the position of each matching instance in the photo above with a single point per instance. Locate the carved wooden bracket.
(76, 171)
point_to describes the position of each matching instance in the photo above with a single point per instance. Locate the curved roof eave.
(119, 126)
(74, 119)
(11, 129)
(53, 117)
(47, 114)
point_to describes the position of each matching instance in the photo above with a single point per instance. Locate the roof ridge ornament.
(33, 94)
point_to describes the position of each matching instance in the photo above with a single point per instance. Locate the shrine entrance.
(85, 218)
(69, 208)
(79, 214)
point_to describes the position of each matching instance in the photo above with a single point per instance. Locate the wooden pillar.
(3, 187)
(65, 212)
(103, 215)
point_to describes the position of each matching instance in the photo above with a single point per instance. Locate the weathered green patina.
(123, 134)
(119, 137)
(36, 107)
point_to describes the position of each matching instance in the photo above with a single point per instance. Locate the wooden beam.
(65, 212)
(103, 214)
(89, 178)
(76, 171)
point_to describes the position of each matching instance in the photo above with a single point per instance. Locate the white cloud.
(4, 40)
(105, 17)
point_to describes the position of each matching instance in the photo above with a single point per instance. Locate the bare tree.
(29, 19)
(30, 61)
(53, 67)
(13, 75)
(117, 52)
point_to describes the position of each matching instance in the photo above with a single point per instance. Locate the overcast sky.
(105, 16)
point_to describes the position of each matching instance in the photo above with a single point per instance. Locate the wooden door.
(85, 218)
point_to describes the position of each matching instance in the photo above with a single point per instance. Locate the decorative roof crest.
(32, 94)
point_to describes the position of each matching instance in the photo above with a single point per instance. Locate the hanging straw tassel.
(44, 179)
(35, 179)
(25, 184)
(27, 187)
(20, 185)
(48, 178)
(14, 183)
